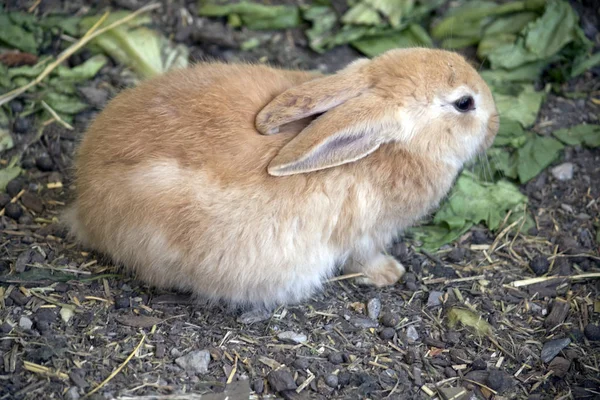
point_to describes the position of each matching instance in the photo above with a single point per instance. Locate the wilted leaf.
(537, 153)
(583, 134)
(66, 313)
(412, 36)
(144, 50)
(255, 16)
(470, 202)
(15, 36)
(86, 70)
(64, 103)
(469, 318)
(522, 108)
(7, 175)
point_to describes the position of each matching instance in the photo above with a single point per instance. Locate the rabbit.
(253, 185)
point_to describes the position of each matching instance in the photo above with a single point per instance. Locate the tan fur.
(172, 180)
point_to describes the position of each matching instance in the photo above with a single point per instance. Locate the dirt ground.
(349, 342)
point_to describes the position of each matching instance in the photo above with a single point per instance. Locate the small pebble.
(479, 364)
(563, 172)
(44, 163)
(387, 333)
(5, 328)
(390, 320)
(479, 237)
(495, 380)
(4, 199)
(301, 363)
(450, 372)
(559, 366)
(539, 265)
(254, 316)
(72, 393)
(412, 334)
(14, 187)
(592, 332)
(552, 348)
(336, 358)
(258, 385)
(281, 379)
(16, 106)
(434, 299)
(453, 337)
(332, 381)
(292, 337)
(22, 125)
(25, 323)
(26, 219)
(32, 202)
(13, 210)
(197, 361)
(374, 308)
(363, 323)
(456, 255)
(122, 302)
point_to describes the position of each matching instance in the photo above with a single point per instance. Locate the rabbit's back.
(171, 181)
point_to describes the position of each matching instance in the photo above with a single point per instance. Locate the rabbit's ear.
(341, 135)
(312, 97)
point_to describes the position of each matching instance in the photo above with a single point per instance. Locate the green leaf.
(84, 71)
(490, 42)
(144, 50)
(414, 35)
(522, 108)
(584, 64)
(537, 154)
(511, 133)
(256, 16)
(323, 20)
(7, 175)
(524, 73)
(583, 134)
(512, 24)
(470, 202)
(69, 25)
(62, 103)
(15, 36)
(362, 14)
(6, 140)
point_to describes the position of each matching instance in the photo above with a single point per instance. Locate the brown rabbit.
(175, 181)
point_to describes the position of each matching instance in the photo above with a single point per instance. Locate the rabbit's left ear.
(341, 135)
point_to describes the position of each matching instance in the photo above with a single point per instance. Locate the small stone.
(323, 388)
(559, 366)
(96, 97)
(301, 363)
(14, 187)
(456, 255)
(552, 348)
(453, 337)
(25, 220)
(387, 333)
(459, 356)
(592, 332)
(122, 302)
(77, 377)
(30, 256)
(44, 163)
(292, 337)
(72, 393)
(254, 316)
(160, 350)
(19, 297)
(32, 202)
(477, 376)
(13, 210)
(495, 380)
(539, 265)
(374, 308)
(336, 358)
(479, 364)
(281, 379)
(45, 315)
(450, 372)
(258, 385)
(434, 299)
(25, 323)
(390, 320)
(5, 328)
(479, 237)
(332, 381)
(4, 199)
(16, 106)
(563, 172)
(22, 125)
(197, 361)
(412, 334)
(363, 323)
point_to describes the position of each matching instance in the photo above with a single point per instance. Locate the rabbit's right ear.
(313, 97)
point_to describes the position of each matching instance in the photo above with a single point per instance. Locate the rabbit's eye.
(464, 104)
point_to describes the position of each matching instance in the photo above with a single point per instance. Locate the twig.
(532, 281)
(118, 369)
(56, 117)
(89, 35)
(344, 277)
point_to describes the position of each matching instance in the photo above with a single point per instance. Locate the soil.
(62, 333)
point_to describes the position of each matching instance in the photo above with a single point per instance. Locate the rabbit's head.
(429, 102)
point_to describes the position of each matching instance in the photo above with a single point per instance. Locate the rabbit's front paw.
(381, 271)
